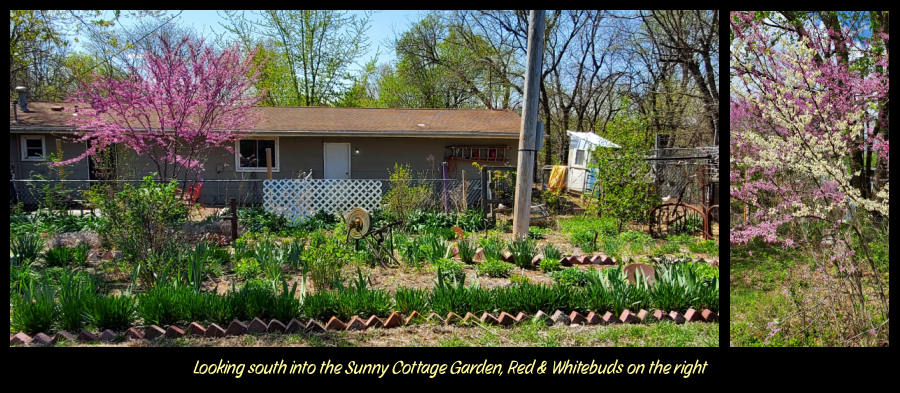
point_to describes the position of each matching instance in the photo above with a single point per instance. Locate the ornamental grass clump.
(466, 250)
(551, 252)
(75, 294)
(493, 248)
(675, 288)
(523, 250)
(112, 312)
(35, 310)
(407, 300)
(27, 247)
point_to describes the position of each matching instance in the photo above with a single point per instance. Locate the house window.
(33, 148)
(250, 154)
(579, 157)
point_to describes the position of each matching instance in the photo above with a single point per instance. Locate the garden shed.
(581, 179)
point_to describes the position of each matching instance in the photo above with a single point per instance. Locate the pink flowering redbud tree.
(803, 108)
(175, 107)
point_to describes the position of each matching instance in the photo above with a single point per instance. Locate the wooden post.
(269, 163)
(465, 200)
(525, 171)
(234, 221)
(59, 154)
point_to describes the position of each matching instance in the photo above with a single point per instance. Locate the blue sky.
(383, 25)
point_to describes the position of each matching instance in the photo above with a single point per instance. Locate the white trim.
(237, 155)
(325, 159)
(24, 151)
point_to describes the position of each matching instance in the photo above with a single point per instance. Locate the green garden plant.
(35, 310)
(524, 251)
(27, 247)
(495, 268)
(493, 248)
(466, 250)
(115, 313)
(449, 269)
(551, 252)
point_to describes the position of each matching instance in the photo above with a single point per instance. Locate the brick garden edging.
(257, 326)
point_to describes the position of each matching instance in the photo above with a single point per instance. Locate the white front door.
(337, 160)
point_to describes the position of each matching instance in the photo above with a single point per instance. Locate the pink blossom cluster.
(174, 107)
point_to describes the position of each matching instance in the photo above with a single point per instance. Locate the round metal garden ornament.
(359, 221)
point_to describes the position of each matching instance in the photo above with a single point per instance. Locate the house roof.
(311, 120)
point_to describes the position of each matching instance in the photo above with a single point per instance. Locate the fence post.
(446, 190)
(234, 220)
(484, 198)
(269, 163)
(465, 192)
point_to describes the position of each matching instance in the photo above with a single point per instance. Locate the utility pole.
(527, 138)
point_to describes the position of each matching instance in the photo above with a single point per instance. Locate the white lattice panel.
(298, 199)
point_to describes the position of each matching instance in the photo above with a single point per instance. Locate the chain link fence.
(248, 193)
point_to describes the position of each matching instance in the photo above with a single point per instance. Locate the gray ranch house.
(324, 143)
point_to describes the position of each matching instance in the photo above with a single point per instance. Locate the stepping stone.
(88, 337)
(41, 339)
(374, 323)
(356, 324)
(436, 319)
(693, 316)
(196, 330)
(565, 262)
(214, 331)
(19, 339)
(508, 257)
(628, 317)
(174, 332)
(393, 321)
(294, 327)
(677, 317)
(644, 316)
(315, 327)
(489, 319)
(479, 255)
(537, 260)
(153, 332)
(107, 336)
(522, 317)
(594, 319)
(62, 336)
(414, 317)
(611, 319)
(453, 319)
(257, 327)
(646, 270)
(710, 316)
(506, 320)
(276, 327)
(335, 324)
(661, 316)
(577, 319)
(561, 319)
(237, 328)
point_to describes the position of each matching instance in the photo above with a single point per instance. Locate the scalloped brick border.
(257, 326)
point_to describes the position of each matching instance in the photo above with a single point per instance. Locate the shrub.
(466, 250)
(636, 237)
(524, 251)
(35, 310)
(448, 269)
(495, 268)
(572, 277)
(26, 247)
(706, 247)
(537, 232)
(404, 197)
(144, 223)
(112, 312)
(407, 300)
(248, 268)
(519, 280)
(551, 265)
